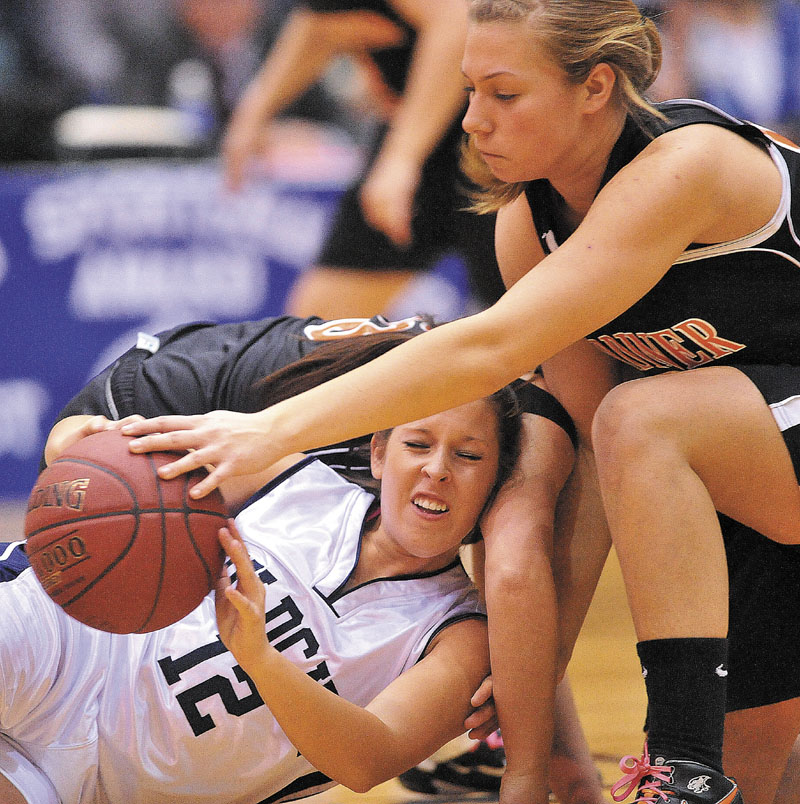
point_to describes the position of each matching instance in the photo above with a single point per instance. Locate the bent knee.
(631, 417)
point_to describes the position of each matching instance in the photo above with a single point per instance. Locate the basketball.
(117, 547)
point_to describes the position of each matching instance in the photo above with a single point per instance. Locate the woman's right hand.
(227, 444)
(387, 198)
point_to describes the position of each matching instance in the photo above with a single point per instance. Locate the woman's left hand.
(240, 608)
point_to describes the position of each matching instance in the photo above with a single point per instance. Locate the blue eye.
(502, 96)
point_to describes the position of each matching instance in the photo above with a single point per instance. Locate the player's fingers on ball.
(186, 463)
(96, 425)
(161, 424)
(179, 440)
(135, 417)
(235, 549)
(237, 600)
(206, 485)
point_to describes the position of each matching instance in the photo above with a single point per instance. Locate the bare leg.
(758, 743)
(340, 292)
(670, 450)
(789, 788)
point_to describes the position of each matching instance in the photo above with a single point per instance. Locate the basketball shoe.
(478, 770)
(673, 781)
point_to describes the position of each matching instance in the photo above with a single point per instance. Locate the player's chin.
(509, 173)
(499, 165)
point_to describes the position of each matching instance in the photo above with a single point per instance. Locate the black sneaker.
(673, 781)
(478, 770)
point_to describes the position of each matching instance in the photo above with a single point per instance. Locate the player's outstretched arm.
(358, 747)
(307, 43)
(611, 260)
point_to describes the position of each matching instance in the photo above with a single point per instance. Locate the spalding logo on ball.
(117, 547)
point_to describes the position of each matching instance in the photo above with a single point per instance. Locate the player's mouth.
(430, 505)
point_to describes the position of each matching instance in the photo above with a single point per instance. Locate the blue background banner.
(90, 255)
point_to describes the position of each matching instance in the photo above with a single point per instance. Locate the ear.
(377, 454)
(598, 87)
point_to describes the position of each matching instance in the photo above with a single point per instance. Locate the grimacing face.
(524, 112)
(436, 474)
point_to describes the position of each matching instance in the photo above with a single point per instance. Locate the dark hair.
(509, 432)
(328, 360)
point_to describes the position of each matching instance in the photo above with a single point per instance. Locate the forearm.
(523, 609)
(433, 94)
(582, 543)
(298, 58)
(478, 363)
(345, 741)
(522, 640)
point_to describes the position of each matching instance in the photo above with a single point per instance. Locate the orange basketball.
(117, 547)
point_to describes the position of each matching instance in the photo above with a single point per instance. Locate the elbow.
(362, 779)
(361, 786)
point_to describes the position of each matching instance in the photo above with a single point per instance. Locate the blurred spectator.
(31, 96)
(740, 55)
(168, 53)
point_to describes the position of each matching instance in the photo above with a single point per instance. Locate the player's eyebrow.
(489, 76)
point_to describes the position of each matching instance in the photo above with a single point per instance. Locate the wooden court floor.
(604, 672)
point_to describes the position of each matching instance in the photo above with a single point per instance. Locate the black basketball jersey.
(737, 301)
(199, 367)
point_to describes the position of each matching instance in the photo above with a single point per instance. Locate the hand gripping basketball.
(115, 545)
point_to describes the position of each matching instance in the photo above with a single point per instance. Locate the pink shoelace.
(634, 770)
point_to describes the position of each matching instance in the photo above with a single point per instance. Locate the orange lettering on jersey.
(706, 336)
(640, 344)
(606, 343)
(664, 348)
(671, 342)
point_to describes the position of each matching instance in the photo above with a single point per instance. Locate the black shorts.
(439, 227)
(764, 648)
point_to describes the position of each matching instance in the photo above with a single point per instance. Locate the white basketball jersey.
(170, 716)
